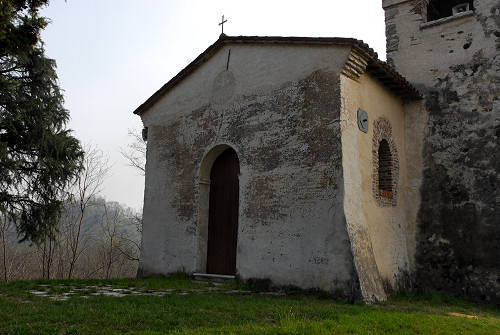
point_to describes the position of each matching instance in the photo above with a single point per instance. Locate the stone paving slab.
(108, 290)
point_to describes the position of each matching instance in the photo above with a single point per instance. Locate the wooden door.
(223, 214)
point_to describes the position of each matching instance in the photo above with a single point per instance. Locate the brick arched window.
(385, 164)
(385, 169)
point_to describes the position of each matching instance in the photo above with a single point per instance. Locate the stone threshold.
(213, 276)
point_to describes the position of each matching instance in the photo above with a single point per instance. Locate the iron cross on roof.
(222, 23)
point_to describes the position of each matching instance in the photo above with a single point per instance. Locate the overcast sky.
(113, 54)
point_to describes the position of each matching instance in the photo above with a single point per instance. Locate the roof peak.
(383, 71)
(299, 40)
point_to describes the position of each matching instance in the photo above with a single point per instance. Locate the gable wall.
(264, 68)
(279, 108)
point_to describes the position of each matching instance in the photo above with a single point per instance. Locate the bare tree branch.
(135, 152)
(87, 186)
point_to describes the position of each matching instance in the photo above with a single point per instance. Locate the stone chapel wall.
(455, 62)
(279, 108)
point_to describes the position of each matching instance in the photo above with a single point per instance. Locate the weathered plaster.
(378, 234)
(423, 55)
(279, 108)
(415, 131)
(455, 63)
(277, 64)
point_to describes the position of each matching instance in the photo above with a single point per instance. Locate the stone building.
(308, 162)
(450, 51)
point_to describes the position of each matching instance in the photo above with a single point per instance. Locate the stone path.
(107, 290)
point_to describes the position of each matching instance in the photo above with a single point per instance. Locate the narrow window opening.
(438, 9)
(385, 169)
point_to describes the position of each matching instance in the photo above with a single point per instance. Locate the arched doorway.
(223, 214)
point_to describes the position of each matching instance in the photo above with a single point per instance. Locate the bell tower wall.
(452, 55)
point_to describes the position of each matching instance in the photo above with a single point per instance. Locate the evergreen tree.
(38, 155)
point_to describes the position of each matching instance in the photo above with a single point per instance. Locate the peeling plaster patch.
(489, 27)
(392, 38)
(461, 183)
(419, 7)
(223, 87)
(263, 204)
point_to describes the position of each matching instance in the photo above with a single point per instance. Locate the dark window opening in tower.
(438, 9)
(384, 167)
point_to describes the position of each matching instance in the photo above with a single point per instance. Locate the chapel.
(309, 162)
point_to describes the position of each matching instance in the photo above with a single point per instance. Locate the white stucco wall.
(279, 108)
(258, 69)
(385, 232)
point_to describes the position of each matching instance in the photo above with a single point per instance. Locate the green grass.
(222, 313)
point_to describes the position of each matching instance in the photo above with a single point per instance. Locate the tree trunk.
(110, 260)
(44, 253)
(4, 251)
(74, 248)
